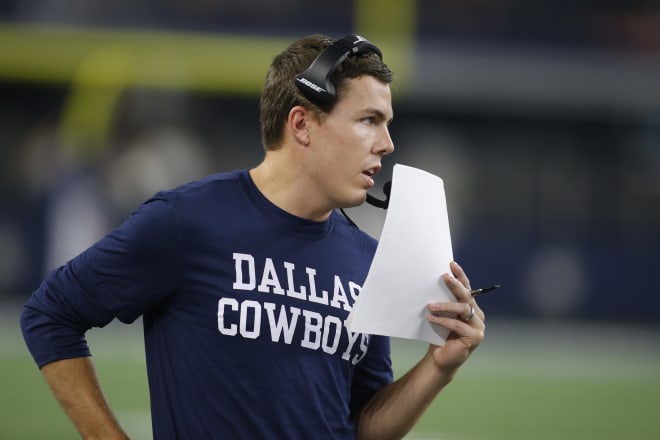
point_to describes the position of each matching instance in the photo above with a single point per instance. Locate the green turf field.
(527, 381)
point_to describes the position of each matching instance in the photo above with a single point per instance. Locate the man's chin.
(354, 201)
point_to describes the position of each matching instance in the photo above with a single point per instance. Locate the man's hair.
(280, 93)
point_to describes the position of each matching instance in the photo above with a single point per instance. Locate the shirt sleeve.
(129, 271)
(371, 374)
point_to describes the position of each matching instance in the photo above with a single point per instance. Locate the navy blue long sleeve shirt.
(244, 309)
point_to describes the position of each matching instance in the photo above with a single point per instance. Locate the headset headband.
(315, 82)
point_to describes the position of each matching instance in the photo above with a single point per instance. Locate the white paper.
(413, 252)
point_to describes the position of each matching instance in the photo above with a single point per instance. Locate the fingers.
(458, 309)
(456, 286)
(459, 285)
(463, 318)
(460, 275)
(470, 314)
(454, 316)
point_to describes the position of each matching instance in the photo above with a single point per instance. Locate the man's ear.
(298, 124)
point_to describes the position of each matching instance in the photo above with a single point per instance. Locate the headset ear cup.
(315, 82)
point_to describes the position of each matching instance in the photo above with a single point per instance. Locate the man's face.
(349, 143)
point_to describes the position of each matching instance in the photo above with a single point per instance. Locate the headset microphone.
(387, 188)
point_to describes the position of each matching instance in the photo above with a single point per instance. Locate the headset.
(316, 85)
(315, 82)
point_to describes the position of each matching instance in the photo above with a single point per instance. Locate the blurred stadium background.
(542, 116)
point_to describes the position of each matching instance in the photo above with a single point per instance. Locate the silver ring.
(470, 315)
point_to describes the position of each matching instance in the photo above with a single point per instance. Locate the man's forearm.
(395, 409)
(74, 384)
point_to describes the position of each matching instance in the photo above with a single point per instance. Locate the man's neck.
(285, 186)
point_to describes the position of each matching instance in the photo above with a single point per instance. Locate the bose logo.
(311, 85)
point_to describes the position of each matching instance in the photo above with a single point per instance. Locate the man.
(245, 280)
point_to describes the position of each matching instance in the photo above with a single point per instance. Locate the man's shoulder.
(208, 187)
(208, 182)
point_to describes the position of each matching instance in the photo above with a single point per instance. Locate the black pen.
(483, 290)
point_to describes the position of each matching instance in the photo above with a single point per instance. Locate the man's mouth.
(371, 172)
